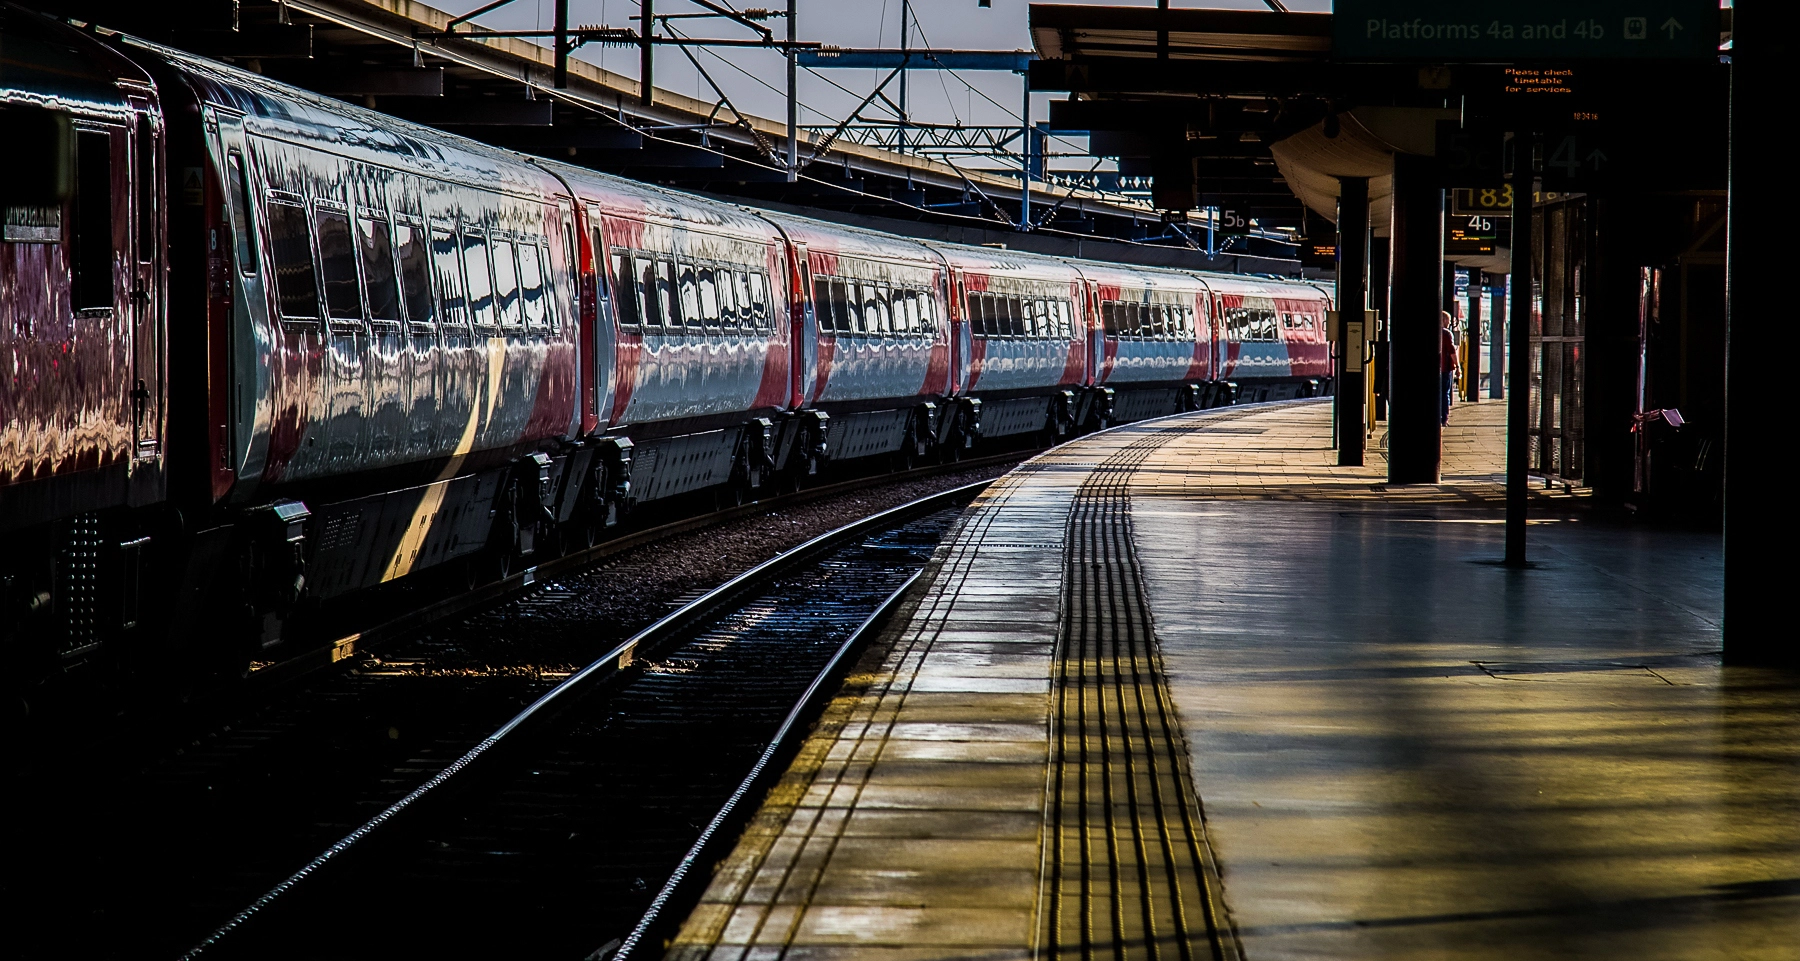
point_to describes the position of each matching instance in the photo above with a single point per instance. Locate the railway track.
(582, 820)
(387, 628)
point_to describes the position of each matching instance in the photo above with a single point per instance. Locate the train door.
(144, 305)
(235, 298)
(600, 333)
(805, 334)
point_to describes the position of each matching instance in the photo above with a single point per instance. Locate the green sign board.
(1503, 31)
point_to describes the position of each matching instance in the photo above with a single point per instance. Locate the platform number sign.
(1574, 160)
(1476, 233)
(1233, 221)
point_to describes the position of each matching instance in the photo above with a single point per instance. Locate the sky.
(754, 79)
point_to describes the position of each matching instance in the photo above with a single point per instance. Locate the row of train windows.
(1250, 324)
(660, 294)
(1000, 315)
(496, 281)
(1130, 318)
(851, 307)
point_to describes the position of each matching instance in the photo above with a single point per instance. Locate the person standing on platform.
(1446, 368)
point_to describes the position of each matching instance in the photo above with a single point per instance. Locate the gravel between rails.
(110, 862)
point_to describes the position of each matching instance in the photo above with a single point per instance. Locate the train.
(266, 350)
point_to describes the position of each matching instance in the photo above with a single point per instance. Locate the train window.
(690, 296)
(1040, 318)
(708, 295)
(337, 262)
(972, 313)
(883, 306)
(832, 314)
(92, 238)
(853, 308)
(240, 214)
(1109, 317)
(481, 279)
(897, 304)
(378, 269)
(759, 298)
(822, 303)
(448, 268)
(874, 323)
(915, 321)
(728, 315)
(531, 287)
(296, 287)
(625, 300)
(746, 312)
(506, 283)
(665, 306)
(415, 277)
(639, 280)
(1015, 316)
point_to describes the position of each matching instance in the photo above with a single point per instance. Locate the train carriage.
(1022, 323)
(883, 363)
(1272, 341)
(1154, 340)
(693, 340)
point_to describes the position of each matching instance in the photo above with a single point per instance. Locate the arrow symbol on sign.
(1671, 25)
(1597, 158)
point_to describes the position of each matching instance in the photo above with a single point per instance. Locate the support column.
(793, 100)
(1497, 340)
(1378, 302)
(1518, 406)
(1352, 294)
(1759, 526)
(1472, 335)
(1415, 440)
(647, 54)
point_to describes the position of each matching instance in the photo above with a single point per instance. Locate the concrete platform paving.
(1401, 749)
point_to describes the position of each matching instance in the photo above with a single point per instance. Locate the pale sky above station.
(754, 79)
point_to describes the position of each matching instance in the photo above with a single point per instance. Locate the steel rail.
(685, 883)
(676, 626)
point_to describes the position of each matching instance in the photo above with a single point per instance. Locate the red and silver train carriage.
(265, 349)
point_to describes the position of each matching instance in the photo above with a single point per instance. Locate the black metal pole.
(1352, 295)
(1497, 342)
(647, 55)
(562, 44)
(1518, 406)
(1472, 336)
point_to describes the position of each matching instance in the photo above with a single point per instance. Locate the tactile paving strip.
(1127, 872)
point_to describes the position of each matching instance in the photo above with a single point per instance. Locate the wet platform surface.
(1183, 690)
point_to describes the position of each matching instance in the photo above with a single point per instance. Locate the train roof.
(653, 203)
(52, 65)
(833, 239)
(281, 111)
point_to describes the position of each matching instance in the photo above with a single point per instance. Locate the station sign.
(1504, 31)
(1471, 234)
(1481, 201)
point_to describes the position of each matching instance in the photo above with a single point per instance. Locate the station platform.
(1184, 690)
